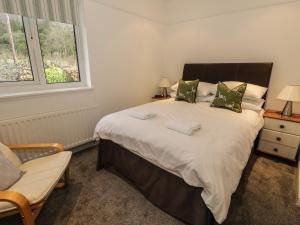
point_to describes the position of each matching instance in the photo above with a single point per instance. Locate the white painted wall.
(262, 34)
(125, 60)
(129, 49)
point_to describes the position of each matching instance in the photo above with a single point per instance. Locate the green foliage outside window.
(57, 75)
(58, 50)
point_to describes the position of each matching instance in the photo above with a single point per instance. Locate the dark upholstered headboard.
(254, 73)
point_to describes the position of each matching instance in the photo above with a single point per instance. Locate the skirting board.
(86, 146)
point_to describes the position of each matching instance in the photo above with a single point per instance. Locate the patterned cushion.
(229, 98)
(187, 91)
(34, 153)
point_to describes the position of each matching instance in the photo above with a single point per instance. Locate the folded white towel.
(142, 115)
(184, 127)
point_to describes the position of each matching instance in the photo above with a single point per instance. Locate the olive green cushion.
(229, 98)
(187, 91)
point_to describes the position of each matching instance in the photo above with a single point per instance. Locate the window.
(38, 55)
(58, 51)
(14, 56)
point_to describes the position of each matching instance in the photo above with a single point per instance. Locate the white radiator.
(70, 128)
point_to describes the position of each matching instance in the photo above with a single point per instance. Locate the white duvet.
(213, 157)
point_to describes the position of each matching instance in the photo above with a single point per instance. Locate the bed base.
(163, 189)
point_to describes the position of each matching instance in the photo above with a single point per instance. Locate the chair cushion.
(9, 173)
(40, 178)
(10, 155)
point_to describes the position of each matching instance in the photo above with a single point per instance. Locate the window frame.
(39, 85)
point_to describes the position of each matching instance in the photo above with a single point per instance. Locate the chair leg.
(37, 209)
(27, 215)
(21, 203)
(67, 175)
(64, 183)
(27, 218)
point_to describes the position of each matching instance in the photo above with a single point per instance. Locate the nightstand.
(159, 98)
(280, 135)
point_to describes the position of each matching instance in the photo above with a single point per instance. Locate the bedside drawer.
(280, 138)
(282, 126)
(277, 149)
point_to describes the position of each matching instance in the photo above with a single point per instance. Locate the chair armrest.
(56, 146)
(21, 203)
(27, 152)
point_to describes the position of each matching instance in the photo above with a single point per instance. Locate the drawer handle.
(278, 138)
(275, 149)
(282, 126)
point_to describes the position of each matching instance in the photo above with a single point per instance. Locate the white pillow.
(252, 90)
(209, 98)
(203, 89)
(174, 87)
(253, 104)
(173, 94)
(10, 155)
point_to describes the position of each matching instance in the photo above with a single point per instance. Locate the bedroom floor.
(266, 196)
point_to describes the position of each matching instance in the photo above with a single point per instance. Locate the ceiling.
(176, 11)
(179, 11)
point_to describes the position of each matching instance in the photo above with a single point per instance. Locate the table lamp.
(290, 93)
(164, 84)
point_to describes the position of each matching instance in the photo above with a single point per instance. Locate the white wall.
(261, 34)
(125, 60)
(129, 49)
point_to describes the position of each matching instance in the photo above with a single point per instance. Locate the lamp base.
(165, 92)
(288, 109)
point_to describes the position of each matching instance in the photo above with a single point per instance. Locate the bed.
(205, 168)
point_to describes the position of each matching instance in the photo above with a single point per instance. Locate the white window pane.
(58, 46)
(14, 57)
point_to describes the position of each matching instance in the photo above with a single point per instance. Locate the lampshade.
(290, 93)
(164, 83)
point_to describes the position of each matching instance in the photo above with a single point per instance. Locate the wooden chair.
(51, 167)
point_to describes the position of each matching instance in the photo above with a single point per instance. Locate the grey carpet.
(265, 196)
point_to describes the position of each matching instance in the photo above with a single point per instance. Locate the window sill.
(43, 92)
